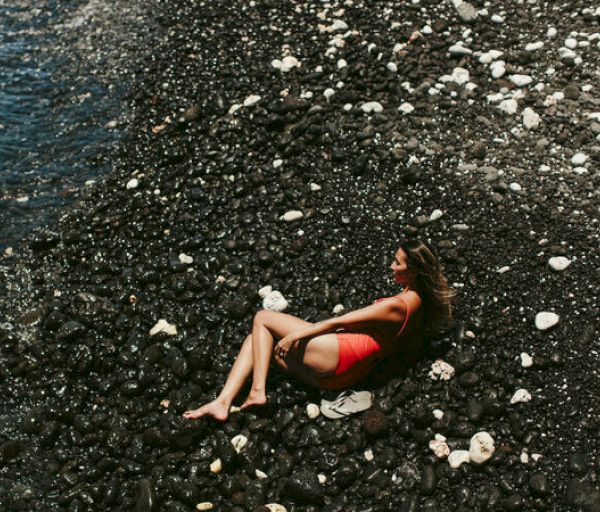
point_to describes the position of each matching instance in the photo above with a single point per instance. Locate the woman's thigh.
(280, 324)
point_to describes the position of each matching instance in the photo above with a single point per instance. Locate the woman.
(338, 352)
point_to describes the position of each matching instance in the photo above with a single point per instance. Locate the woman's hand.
(283, 346)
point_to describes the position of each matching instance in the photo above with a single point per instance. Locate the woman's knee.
(261, 317)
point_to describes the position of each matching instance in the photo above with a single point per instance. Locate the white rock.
(571, 43)
(465, 10)
(551, 32)
(216, 466)
(288, 63)
(341, 64)
(239, 442)
(481, 448)
(292, 215)
(520, 80)
(369, 455)
(275, 507)
(312, 410)
(496, 18)
(322, 478)
(440, 370)
(521, 395)
(503, 270)
(234, 108)
(328, 93)
(458, 457)
(498, 70)
(566, 53)
(338, 308)
(278, 162)
(438, 414)
(205, 505)
(536, 456)
(253, 99)
(545, 320)
(459, 49)
(8, 251)
(315, 187)
(163, 326)
(530, 118)
(261, 475)
(185, 259)
(275, 302)
(509, 106)
(515, 187)
(439, 448)
(532, 47)
(264, 291)
(559, 263)
(524, 457)
(371, 106)
(579, 159)
(132, 183)
(526, 360)
(435, 215)
(406, 108)
(392, 67)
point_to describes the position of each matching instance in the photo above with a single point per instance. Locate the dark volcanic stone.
(538, 484)
(145, 501)
(304, 487)
(468, 379)
(375, 422)
(582, 494)
(513, 503)
(428, 480)
(579, 463)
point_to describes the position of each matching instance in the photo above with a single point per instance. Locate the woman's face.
(399, 267)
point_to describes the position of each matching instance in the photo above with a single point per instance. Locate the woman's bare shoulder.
(412, 299)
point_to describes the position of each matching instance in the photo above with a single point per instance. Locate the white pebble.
(530, 118)
(163, 326)
(470, 334)
(551, 32)
(435, 215)
(328, 93)
(559, 263)
(239, 442)
(371, 106)
(496, 18)
(406, 108)
(520, 80)
(441, 370)
(322, 478)
(579, 159)
(275, 507)
(545, 320)
(526, 360)
(515, 187)
(509, 106)
(439, 447)
(132, 183)
(312, 410)
(503, 269)
(369, 455)
(253, 99)
(521, 395)
(459, 49)
(277, 163)
(292, 215)
(458, 457)
(314, 187)
(184, 258)
(205, 505)
(438, 414)
(571, 43)
(261, 475)
(524, 457)
(536, 456)
(392, 67)
(481, 448)
(275, 301)
(8, 251)
(341, 64)
(216, 466)
(532, 47)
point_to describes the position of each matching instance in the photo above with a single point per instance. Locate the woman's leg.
(219, 407)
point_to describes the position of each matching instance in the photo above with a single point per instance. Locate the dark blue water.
(58, 113)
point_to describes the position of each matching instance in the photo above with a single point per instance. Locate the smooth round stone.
(515, 187)
(520, 80)
(371, 106)
(406, 108)
(481, 447)
(538, 484)
(292, 215)
(513, 503)
(132, 183)
(428, 480)
(458, 457)
(275, 507)
(579, 159)
(559, 263)
(312, 410)
(526, 360)
(545, 320)
(251, 100)
(205, 505)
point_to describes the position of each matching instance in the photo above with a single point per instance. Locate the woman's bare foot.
(254, 398)
(217, 409)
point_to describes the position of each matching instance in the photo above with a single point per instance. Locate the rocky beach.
(295, 145)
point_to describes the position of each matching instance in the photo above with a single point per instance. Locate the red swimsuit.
(360, 352)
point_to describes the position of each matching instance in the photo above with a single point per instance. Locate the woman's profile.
(338, 352)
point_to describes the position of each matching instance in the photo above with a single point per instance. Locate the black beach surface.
(376, 121)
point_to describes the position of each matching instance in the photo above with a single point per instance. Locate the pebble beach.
(275, 154)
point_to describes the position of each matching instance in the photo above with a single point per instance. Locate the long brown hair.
(431, 285)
